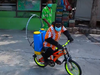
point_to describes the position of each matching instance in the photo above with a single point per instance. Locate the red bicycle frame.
(56, 55)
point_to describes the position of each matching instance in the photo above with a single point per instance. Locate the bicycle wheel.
(73, 68)
(39, 62)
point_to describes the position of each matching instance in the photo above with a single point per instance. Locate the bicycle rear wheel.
(39, 60)
(73, 68)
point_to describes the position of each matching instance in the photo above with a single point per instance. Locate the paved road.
(16, 55)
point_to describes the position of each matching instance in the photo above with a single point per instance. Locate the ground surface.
(16, 55)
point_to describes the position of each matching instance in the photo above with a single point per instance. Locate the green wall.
(7, 14)
(8, 20)
(19, 23)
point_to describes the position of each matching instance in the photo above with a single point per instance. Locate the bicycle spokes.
(72, 68)
(41, 59)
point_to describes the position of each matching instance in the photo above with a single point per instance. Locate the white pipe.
(33, 15)
(28, 23)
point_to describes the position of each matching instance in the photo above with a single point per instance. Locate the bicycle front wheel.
(73, 68)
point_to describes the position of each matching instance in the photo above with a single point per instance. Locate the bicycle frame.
(58, 53)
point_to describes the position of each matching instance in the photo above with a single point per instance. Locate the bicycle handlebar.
(64, 44)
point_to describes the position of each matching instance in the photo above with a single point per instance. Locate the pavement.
(16, 55)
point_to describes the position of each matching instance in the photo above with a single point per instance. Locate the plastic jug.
(38, 44)
(43, 32)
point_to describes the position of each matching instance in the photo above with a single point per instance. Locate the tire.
(40, 64)
(70, 72)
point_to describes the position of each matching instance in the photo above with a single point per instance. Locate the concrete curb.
(92, 38)
(83, 30)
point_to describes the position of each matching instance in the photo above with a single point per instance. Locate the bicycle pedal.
(51, 63)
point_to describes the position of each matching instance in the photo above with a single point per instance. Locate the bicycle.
(71, 66)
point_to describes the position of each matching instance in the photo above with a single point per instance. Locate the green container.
(60, 6)
(71, 21)
(65, 13)
(65, 24)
